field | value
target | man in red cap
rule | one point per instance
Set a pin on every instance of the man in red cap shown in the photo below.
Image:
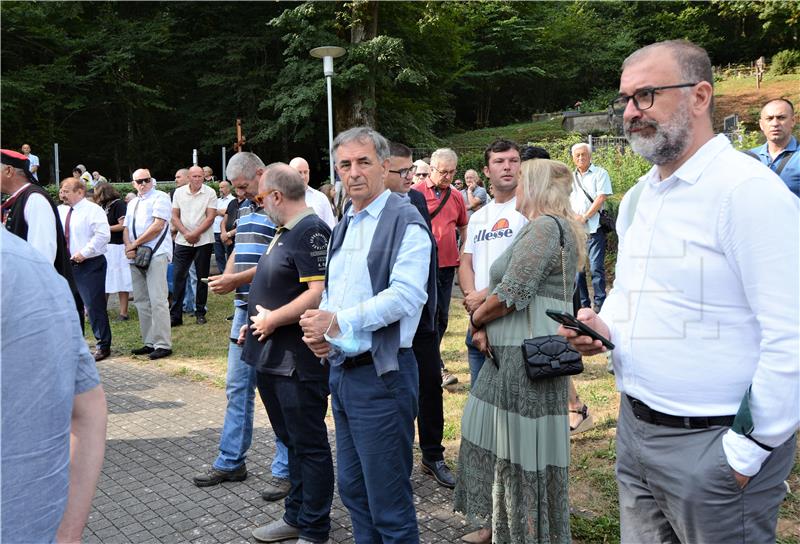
(30, 214)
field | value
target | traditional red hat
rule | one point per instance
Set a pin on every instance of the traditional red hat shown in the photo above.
(17, 160)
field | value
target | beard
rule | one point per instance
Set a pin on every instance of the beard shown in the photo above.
(668, 142)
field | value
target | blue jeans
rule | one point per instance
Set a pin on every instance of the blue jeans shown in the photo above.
(191, 287)
(220, 255)
(374, 418)
(237, 430)
(476, 360)
(596, 249)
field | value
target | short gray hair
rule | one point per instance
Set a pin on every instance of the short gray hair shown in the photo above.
(287, 180)
(693, 61)
(443, 154)
(243, 165)
(578, 146)
(363, 135)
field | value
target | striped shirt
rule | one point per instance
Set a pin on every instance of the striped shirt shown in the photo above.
(254, 232)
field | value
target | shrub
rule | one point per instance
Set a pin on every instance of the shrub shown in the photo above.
(785, 62)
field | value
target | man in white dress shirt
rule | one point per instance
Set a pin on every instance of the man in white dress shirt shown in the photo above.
(87, 234)
(314, 199)
(704, 327)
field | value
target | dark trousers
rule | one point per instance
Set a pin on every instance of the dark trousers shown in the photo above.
(374, 448)
(182, 260)
(220, 253)
(296, 411)
(430, 420)
(90, 278)
(444, 286)
(596, 251)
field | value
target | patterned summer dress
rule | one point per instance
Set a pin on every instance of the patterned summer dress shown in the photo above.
(514, 452)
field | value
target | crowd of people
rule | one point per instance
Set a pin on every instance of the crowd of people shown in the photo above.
(343, 295)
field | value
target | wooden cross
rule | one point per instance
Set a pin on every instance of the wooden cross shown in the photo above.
(240, 139)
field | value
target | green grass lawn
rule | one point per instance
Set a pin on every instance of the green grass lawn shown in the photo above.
(539, 131)
(200, 353)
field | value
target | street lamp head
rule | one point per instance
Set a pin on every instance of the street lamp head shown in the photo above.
(333, 51)
(327, 54)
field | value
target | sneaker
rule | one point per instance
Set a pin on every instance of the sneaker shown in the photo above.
(216, 477)
(448, 379)
(275, 531)
(277, 489)
(144, 350)
(160, 353)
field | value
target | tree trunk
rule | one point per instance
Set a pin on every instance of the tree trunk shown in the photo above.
(360, 109)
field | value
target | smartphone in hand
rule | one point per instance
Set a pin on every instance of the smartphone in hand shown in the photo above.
(571, 322)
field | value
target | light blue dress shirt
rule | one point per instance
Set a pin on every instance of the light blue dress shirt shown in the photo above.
(791, 172)
(349, 291)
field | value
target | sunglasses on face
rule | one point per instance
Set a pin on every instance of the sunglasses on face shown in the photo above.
(421, 175)
(142, 181)
(261, 197)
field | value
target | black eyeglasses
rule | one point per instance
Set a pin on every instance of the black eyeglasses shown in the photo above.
(404, 172)
(421, 174)
(642, 99)
(142, 181)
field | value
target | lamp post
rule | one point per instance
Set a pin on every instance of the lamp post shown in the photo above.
(327, 53)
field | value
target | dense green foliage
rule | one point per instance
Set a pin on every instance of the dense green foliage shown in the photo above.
(785, 62)
(120, 85)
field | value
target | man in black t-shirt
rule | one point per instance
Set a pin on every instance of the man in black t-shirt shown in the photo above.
(292, 382)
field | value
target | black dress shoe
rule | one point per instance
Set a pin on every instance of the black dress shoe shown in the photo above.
(158, 353)
(216, 477)
(100, 354)
(201, 320)
(440, 472)
(175, 323)
(144, 350)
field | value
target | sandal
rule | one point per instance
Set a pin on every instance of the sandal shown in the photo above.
(586, 423)
(481, 536)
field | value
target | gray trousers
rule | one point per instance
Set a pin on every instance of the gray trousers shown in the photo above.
(675, 485)
(150, 298)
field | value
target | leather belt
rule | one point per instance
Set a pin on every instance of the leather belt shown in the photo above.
(644, 413)
(365, 359)
(362, 359)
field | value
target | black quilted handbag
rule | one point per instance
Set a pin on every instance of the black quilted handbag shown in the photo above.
(551, 356)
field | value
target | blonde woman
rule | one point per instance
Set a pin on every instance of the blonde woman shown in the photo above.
(514, 451)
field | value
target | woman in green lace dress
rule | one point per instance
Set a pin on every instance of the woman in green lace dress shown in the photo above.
(514, 451)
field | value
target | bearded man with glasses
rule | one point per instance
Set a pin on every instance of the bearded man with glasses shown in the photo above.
(702, 317)
(147, 225)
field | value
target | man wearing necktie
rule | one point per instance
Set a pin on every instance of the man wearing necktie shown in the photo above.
(375, 288)
(87, 234)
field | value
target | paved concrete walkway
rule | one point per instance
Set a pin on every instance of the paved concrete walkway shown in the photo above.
(162, 430)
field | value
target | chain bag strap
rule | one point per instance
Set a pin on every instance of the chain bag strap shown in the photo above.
(551, 355)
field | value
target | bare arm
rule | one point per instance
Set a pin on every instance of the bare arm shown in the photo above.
(466, 280)
(177, 224)
(230, 280)
(595, 207)
(206, 223)
(150, 233)
(265, 322)
(490, 310)
(87, 448)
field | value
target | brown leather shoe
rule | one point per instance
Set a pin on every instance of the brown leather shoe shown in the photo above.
(100, 354)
